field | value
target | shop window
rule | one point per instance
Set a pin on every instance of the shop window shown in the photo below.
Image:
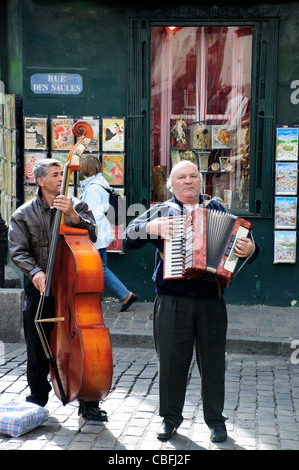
(200, 108)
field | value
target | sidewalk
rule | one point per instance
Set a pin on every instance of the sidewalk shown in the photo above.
(251, 329)
(262, 390)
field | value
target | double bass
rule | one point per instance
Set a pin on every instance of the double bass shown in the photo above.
(80, 351)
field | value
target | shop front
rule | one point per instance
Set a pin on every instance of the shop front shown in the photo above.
(214, 85)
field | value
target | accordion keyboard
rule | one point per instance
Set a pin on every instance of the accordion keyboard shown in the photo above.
(174, 250)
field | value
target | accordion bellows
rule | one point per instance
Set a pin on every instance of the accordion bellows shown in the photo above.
(17, 418)
(203, 246)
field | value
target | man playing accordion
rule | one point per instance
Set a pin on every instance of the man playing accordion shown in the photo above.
(187, 312)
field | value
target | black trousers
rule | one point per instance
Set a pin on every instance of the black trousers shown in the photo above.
(37, 361)
(180, 323)
(38, 366)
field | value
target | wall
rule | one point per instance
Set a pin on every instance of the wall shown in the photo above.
(76, 37)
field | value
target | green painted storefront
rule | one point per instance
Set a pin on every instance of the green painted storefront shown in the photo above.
(109, 47)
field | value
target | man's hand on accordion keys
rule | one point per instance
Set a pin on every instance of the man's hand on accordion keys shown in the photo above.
(164, 227)
(244, 247)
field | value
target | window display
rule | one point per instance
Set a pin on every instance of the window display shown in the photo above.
(200, 108)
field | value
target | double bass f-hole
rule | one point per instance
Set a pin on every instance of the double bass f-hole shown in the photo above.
(71, 335)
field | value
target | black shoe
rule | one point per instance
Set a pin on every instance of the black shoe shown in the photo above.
(166, 431)
(218, 433)
(95, 414)
(39, 399)
(129, 302)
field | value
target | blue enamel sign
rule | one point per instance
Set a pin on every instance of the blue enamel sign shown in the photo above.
(56, 83)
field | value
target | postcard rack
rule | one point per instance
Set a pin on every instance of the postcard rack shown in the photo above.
(285, 203)
(10, 154)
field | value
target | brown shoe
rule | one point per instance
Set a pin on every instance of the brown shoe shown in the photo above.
(129, 302)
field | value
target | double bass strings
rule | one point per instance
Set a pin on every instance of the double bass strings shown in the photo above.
(55, 235)
(49, 272)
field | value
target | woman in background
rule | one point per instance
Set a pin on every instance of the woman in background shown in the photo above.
(97, 198)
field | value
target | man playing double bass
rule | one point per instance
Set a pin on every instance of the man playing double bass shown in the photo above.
(29, 239)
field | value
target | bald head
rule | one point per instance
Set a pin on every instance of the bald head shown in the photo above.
(185, 182)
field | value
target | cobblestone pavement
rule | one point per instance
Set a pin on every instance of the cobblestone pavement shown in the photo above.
(262, 404)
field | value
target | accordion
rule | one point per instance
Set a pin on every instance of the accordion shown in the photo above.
(203, 246)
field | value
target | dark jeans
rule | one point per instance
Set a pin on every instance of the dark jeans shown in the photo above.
(180, 323)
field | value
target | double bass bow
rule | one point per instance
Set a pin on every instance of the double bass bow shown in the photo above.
(79, 352)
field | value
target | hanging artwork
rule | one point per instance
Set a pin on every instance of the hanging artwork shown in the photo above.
(286, 144)
(285, 212)
(29, 192)
(62, 137)
(116, 243)
(113, 134)
(62, 158)
(30, 161)
(179, 155)
(223, 136)
(286, 178)
(201, 136)
(284, 246)
(35, 132)
(113, 168)
(179, 132)
(94, 122)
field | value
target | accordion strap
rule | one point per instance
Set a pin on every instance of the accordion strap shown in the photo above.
(247, 259)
